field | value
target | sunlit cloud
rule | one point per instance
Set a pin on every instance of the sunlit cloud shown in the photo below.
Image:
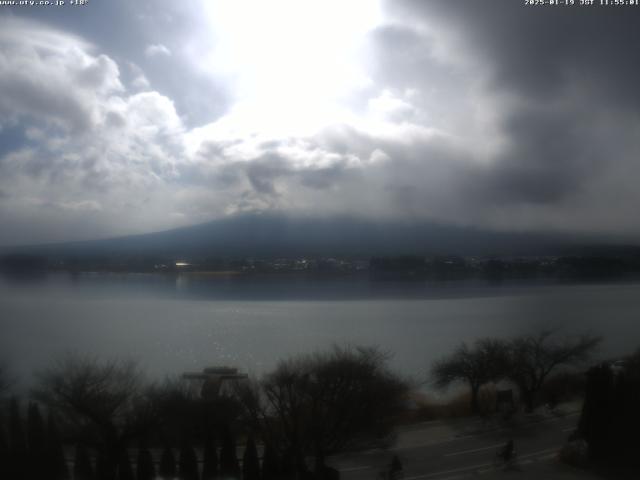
(293, 64)
(371, 108)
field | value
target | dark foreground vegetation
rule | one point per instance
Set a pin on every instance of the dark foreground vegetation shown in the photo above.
(121, 427)
(545, 370)
(526, 361)
(610, 422)
(87, 419)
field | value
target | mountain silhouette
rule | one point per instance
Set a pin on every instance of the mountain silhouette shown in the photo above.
(275, 235)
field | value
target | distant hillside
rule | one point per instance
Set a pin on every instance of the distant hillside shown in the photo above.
(281, 236)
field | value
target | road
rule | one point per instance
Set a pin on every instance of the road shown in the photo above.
(429, 454)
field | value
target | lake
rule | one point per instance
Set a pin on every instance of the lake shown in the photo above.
(173, 324)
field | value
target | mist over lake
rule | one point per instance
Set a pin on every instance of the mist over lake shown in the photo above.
(172, 324)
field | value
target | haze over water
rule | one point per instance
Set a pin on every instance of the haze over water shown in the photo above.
(172, 324)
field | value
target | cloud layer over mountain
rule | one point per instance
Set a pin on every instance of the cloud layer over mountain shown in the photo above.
(127, 117)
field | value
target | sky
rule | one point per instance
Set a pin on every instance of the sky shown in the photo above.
(120, 117)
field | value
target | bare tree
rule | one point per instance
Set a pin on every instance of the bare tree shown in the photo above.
(178, 407)
(475, 365)
(319, 404)
(102, 400)
(183, 411)
(533, 357)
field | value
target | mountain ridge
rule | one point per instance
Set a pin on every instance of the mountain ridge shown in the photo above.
(276, 235)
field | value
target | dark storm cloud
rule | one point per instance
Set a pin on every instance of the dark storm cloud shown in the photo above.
(544, 52)
(551, 153)
(566, 78)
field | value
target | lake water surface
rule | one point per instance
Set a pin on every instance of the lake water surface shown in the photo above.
(173, 324)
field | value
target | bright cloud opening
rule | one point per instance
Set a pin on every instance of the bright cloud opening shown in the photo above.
(292, 62)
